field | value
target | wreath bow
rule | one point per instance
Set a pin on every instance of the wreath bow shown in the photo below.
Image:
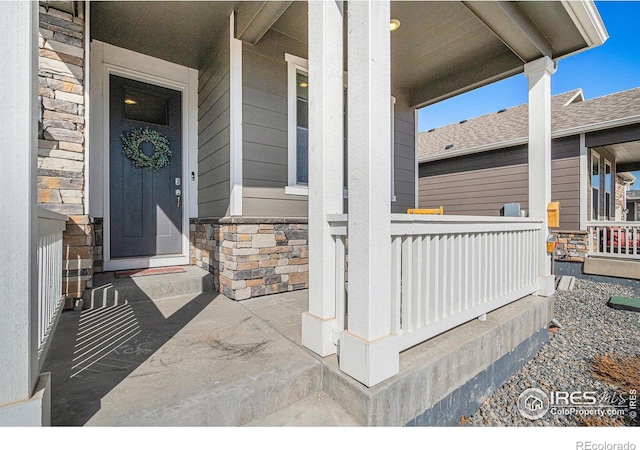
(131, 145)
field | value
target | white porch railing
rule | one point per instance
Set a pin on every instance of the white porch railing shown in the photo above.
(50, 300)
(614, 239)
(447, 270)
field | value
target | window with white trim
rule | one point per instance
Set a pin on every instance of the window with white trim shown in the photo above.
(607, 189)
(595, 186)
(298, 125)
(298, 128)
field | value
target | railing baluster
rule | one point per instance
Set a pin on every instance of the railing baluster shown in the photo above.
(428, 283)
(446, 274)
(424, 279)
(627, 237)
(484, 273)
(477, 267)
(417, 281)
(396, 284)
(467, 277)
(341, 293)
(496, 266)
(407, 285)
(437, 294)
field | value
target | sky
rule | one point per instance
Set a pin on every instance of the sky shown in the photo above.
(611, 67)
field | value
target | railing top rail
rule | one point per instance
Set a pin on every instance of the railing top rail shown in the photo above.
(410, 224)
(44, 213)
(50, 221)
(461, 219)
(445, 219)
(609, 223)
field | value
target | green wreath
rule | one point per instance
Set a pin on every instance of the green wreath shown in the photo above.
(131, 145)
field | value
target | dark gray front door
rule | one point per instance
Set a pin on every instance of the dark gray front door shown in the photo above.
(145, 210)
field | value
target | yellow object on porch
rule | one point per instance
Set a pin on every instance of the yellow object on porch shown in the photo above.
(437, 211)
(553, 214)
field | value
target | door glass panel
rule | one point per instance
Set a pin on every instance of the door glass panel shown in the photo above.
(145, 107)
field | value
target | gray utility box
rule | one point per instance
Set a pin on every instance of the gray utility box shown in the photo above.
(510, 210)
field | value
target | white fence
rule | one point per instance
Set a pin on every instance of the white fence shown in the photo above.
(50, 300)
(447, 270)
(614, 239)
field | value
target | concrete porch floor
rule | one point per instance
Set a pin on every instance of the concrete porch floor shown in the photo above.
(204, 360)
(188, 360)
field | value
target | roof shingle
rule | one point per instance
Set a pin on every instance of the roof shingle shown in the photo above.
(568, 110)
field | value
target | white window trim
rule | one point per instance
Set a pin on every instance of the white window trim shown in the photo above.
(393, 149)
(595, 155)
(297, 64)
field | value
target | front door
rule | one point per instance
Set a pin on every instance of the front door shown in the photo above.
(145, 191)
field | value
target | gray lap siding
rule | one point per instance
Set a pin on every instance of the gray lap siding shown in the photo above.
(480, 184)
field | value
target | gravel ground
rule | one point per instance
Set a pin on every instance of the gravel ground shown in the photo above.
(589, 328)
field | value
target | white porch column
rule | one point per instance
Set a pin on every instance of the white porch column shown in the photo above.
(325, 169)
(18, 222)
(367, 350)
(584, 183)
(539, 74)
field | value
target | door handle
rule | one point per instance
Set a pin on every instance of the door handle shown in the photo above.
(178, 196)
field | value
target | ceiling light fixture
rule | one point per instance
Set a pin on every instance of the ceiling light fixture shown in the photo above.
(394, 24)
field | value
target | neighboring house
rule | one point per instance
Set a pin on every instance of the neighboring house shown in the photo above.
(633, 205)
(252, 103)
(479, 165)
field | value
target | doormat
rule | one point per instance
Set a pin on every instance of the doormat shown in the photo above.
(146, 272)
(625, 303)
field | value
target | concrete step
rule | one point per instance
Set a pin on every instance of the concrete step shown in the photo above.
(317, 410)
(111, 291)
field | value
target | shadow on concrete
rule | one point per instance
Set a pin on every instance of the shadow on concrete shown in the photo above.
(95, 349)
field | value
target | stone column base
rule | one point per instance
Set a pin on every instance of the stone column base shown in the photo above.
(251, 257)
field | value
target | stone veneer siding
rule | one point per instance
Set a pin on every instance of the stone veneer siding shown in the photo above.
(572, 245)
(252, 257)
(61, 150)
(621, 196)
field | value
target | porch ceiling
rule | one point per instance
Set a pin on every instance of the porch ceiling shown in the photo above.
(627, 155)
(442, 48)
(181, 32)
